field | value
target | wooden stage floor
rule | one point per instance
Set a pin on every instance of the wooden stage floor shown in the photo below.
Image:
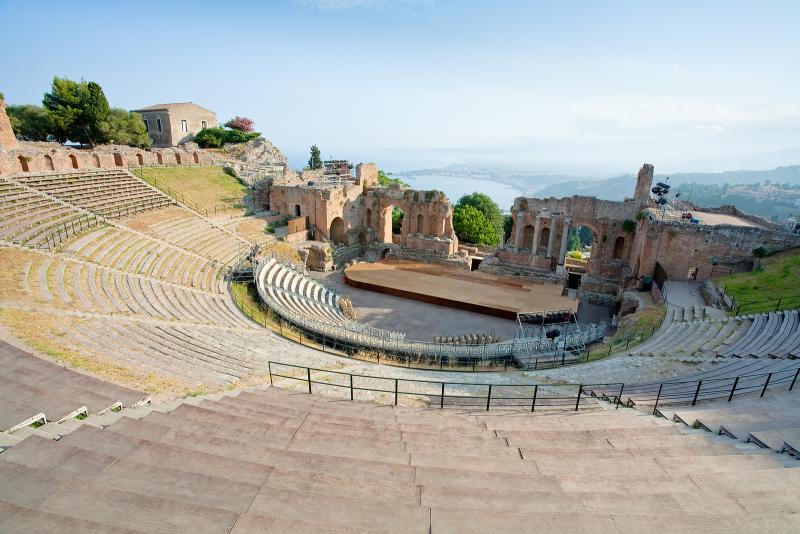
(467, 290)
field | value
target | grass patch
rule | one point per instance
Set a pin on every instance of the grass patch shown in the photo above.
(205, 189)
(634, 329)
(774, 286)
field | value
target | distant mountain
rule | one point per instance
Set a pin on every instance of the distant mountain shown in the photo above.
(619, 187)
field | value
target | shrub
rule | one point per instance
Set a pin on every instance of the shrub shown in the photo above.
(629, 226)
(216, 137)
(575, 254)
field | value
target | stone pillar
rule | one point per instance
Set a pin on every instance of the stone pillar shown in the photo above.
(552, 241)
(537, 231)
(564, 236)
(518, 230)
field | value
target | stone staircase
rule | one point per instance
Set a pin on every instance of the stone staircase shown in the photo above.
(269, 460)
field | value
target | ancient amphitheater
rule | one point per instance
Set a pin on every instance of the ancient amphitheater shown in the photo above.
(302, 417)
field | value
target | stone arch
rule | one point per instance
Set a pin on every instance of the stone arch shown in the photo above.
(527, 237)
(73, 160)
(139, 159)
(196, 158)
(619, 248)
(96, 160)
(385, 233)
(159, 158)
(23, 163)
(48, 163)
(177, 158)
(297, 210)
(337, 233)
(420, 223)
(544, 239)
(369, 218)
(117, 159)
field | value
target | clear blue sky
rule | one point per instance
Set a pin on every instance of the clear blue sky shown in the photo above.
(584, 86)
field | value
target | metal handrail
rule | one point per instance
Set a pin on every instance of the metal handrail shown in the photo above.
(438, 390)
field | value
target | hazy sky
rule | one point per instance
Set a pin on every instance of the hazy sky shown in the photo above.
(596, 86)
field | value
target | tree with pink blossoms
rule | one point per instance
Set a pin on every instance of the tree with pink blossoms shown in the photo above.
(243, 124)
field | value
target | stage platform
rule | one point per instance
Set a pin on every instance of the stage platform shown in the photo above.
(473, 291)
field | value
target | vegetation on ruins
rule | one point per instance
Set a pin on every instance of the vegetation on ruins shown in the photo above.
(243, 124)
(315, 161)
(472, 226)
(217, 137)
(384, 180)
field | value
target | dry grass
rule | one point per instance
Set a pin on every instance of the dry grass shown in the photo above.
(48, 334)
(204, 188)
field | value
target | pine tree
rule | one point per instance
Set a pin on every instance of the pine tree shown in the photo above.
(315, 161)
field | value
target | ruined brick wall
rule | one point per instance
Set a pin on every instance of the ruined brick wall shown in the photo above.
(7, 138)
(705, 251)
(367, 174)
(45, 157)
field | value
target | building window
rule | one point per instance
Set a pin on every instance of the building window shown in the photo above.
(146, 124)
(203, 124)
(184, 126)
(158, 124)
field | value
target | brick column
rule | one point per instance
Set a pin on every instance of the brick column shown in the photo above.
(518, 230)
(564, 235)
(537, 234)
(552, 241)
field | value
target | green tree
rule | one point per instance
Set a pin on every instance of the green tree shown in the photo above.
(472, 226)
(30, 123)
(397, 220)
(63, 107)
(124, 128)
(77, 111)
(508, 225)
(488, 207)
(574, 239)
(315, 161)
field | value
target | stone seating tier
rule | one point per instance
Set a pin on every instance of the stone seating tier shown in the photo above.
(275, 461)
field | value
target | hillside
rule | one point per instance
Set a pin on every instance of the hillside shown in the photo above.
(618, 187)
(775, 286)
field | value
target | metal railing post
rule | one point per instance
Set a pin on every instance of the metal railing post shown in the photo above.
(697, 392)
(769, 377)
(269, 365)
(441, 400)
(578, 400)
(619, 397)
(658, 397)
(535, 393)
(395, 391)
(794, 379)
(308, 376)
(733, 389)
(489, 398)
(351, 386)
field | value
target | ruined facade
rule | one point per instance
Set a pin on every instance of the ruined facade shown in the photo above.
(631, 241)
(348, 210)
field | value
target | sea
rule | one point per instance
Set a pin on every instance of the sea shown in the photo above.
(457, 186)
